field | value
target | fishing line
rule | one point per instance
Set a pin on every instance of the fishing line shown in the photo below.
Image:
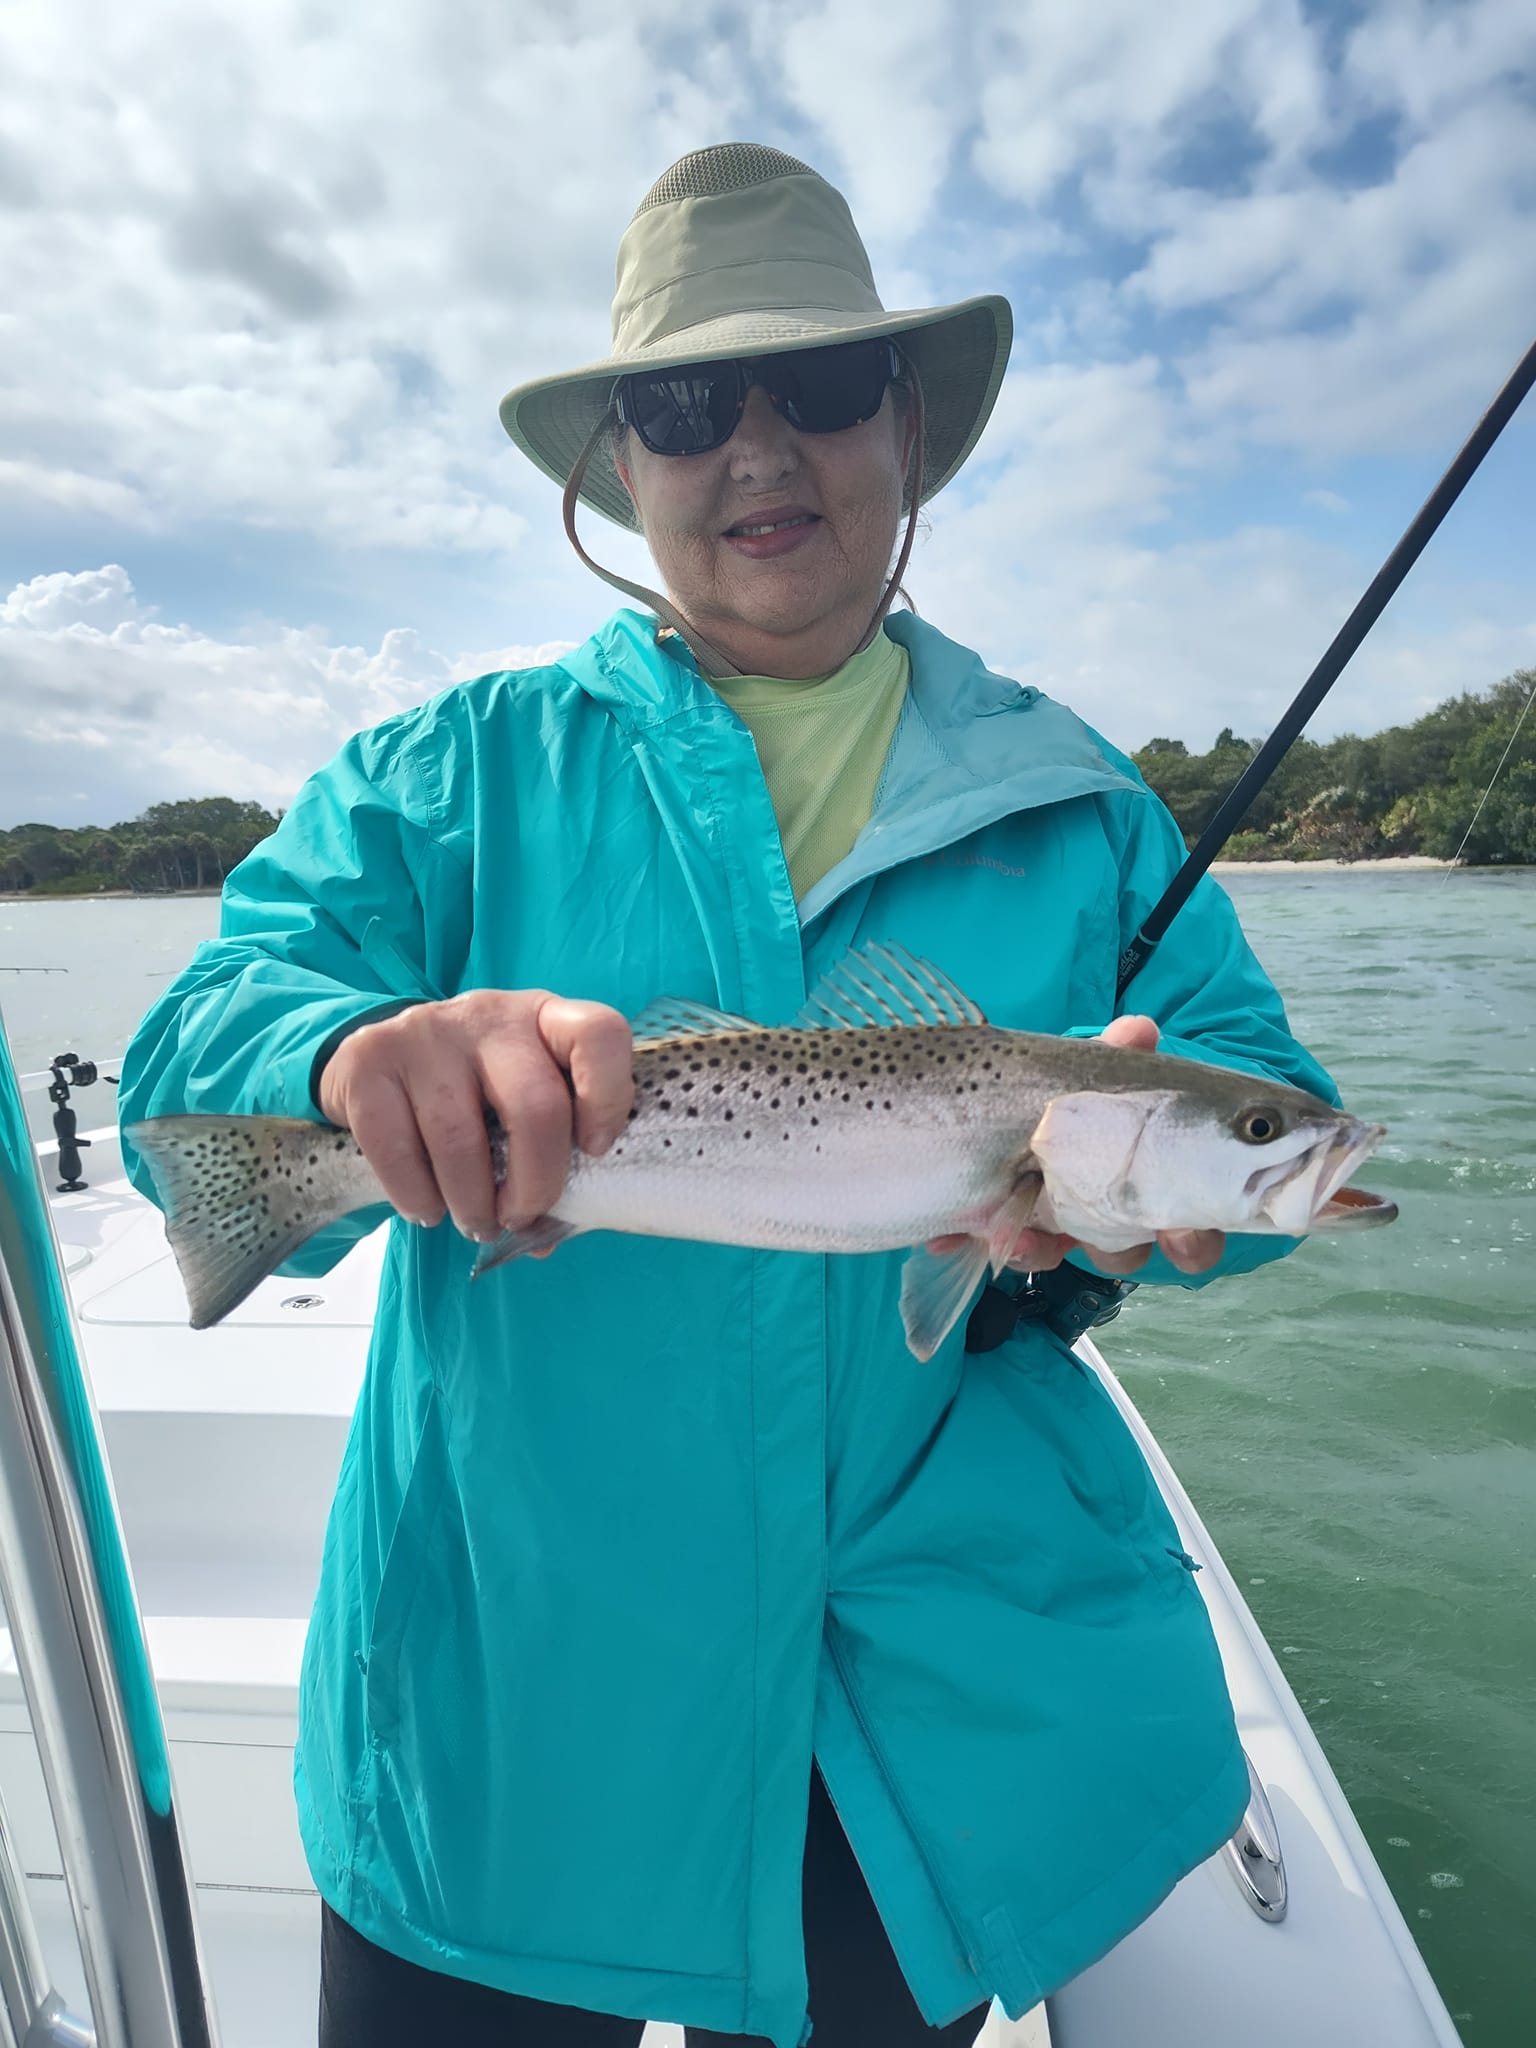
(1488, 792)
(1239, 798)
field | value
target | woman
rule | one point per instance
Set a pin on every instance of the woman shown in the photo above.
(660, 1574)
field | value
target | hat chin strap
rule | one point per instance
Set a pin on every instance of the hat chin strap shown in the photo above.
(711, 661)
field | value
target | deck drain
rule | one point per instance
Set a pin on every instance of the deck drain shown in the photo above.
(305, 1301)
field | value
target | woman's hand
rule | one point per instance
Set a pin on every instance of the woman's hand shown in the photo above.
(413, 1090)
(1037, 1251)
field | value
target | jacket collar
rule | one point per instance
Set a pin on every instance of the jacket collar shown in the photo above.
(971, 747)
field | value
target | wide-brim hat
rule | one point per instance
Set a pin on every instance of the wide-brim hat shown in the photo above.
(740, 250)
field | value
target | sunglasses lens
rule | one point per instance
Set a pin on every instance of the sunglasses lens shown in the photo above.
(686, 411)
(694, 408)
(824, 390)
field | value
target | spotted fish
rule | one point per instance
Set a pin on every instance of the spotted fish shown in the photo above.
(889, 1114)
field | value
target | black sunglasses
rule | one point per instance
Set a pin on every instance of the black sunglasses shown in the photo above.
(693, 407)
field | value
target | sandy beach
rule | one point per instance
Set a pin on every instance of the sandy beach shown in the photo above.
(1390, 864)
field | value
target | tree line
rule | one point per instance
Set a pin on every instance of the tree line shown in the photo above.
(1411, 789)
(188, 845)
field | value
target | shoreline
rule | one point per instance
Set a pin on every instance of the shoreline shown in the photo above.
(103, 895)
(1391, 863)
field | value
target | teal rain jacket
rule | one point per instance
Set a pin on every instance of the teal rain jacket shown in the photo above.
(621, 1539)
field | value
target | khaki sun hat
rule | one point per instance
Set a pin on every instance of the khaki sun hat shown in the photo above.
(741, 250)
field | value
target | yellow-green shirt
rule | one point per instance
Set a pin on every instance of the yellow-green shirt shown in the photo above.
(822, 744)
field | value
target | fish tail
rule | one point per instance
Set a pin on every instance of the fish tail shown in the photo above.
(240, 1195)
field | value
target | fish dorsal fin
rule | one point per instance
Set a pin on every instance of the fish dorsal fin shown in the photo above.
(676, 1017)
(877, 984)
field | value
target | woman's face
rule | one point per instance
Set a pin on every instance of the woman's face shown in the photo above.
(794, 601)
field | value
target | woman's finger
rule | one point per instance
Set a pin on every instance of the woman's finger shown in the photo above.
(1120, 1262)
(381, 1119)
(1193, 1251)
(1139, 1033)
(532, 1099)
(450, 1114)
(1039, 1251)
(594, 1045)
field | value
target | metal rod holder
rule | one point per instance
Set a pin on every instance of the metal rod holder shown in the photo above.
(80, 1649)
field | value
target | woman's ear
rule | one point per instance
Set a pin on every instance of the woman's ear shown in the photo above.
(618, 447)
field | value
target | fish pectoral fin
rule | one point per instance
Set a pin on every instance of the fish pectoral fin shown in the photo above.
(885, 985)
(543, 1234)
(1020, 1212)
(935, 1288)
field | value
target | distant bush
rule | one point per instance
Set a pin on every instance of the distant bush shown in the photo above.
(1413, 788)
(188, 845)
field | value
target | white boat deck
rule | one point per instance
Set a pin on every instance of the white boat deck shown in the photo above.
(224, 1449)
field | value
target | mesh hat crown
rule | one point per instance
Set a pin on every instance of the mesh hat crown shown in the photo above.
(740, 250)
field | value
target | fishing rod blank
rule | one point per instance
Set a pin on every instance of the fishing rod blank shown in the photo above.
(1322, 679)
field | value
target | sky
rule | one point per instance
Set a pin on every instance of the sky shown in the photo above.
(267, 266)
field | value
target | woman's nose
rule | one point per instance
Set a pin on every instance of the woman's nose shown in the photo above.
(763, 447)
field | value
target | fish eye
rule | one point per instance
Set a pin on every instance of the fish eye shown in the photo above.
(1259, 1125)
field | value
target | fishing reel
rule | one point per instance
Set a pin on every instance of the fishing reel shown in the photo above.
(70, 1071)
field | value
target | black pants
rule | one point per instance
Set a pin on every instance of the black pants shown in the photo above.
(859, 1998)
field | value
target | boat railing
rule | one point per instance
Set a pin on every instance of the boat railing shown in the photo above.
(80, 1649)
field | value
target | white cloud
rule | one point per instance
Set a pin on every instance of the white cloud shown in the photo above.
(109, 710)
(279, 269)
(1124, 87)
(1189, 637)
(268, 270)
(887, 86)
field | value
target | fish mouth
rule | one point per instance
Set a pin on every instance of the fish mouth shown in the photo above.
(1313, 1193)
(1354, 1209)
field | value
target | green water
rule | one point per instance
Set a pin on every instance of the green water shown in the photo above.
(1357, 1425)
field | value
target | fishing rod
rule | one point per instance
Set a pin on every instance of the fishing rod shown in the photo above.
(1240, 797)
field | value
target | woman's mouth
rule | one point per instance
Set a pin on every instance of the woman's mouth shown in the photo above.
(758, 538)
